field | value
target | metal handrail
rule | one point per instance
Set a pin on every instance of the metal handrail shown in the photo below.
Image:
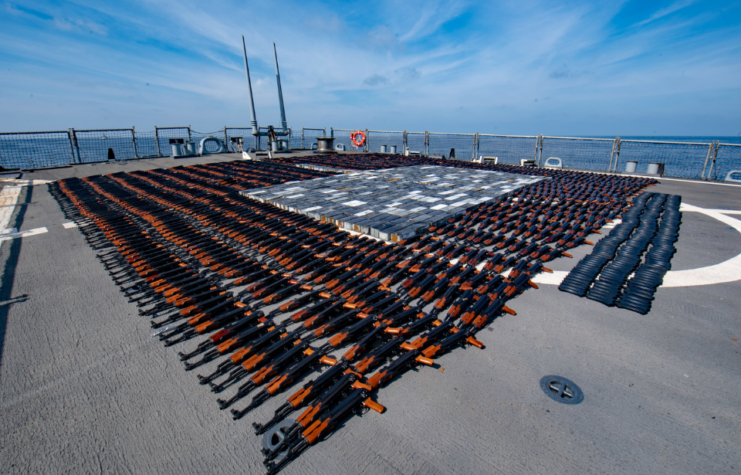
(663, 142)
(450, 133)
(39, 132)
(510, 136)
(105, 130)
(56, 152)
(577, 138)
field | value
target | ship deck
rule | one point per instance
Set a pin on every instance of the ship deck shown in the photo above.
(84, 389)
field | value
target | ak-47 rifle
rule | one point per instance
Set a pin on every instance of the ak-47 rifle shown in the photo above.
(309, 392)
(282, 380)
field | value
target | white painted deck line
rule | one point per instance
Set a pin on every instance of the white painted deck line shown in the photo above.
(69, 225)
(8, 200)
(25, 182)
(720, 211)
(550, 279)
(30, 232)
(728, 271)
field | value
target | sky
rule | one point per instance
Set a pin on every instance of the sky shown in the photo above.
(573, 68)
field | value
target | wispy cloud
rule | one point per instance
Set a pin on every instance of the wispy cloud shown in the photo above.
(80, 25)
(661, 13)
(430, 16)
(594, 68)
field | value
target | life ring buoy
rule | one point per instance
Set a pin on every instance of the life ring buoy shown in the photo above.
(355, 140)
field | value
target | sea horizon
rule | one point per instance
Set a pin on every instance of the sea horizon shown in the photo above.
(732, 139)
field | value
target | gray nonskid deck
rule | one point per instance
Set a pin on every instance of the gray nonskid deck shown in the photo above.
(84, 389)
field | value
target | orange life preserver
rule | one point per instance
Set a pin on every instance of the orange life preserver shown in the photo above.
(354, 137)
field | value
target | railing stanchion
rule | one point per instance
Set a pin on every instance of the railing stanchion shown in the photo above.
(612, 154)
(705, 164)
(71, 146)
(157, 141)
(76, 144)
(133, 141)
(475, 150)
(617, 154)
(714, 152)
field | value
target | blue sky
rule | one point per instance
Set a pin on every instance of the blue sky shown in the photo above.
(506, 67)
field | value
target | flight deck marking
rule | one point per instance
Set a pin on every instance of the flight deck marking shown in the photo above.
(8, 200)
(17, 182)
(727, 271)
(29, 232)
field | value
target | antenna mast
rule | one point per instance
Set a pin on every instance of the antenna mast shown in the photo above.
(280, 92)
(255, 129)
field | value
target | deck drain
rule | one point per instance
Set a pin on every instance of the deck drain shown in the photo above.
(275, 436)
(561, 389)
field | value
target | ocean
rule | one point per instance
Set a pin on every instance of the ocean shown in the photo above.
(666, 138)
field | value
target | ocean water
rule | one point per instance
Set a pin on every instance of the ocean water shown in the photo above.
(736, 139)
